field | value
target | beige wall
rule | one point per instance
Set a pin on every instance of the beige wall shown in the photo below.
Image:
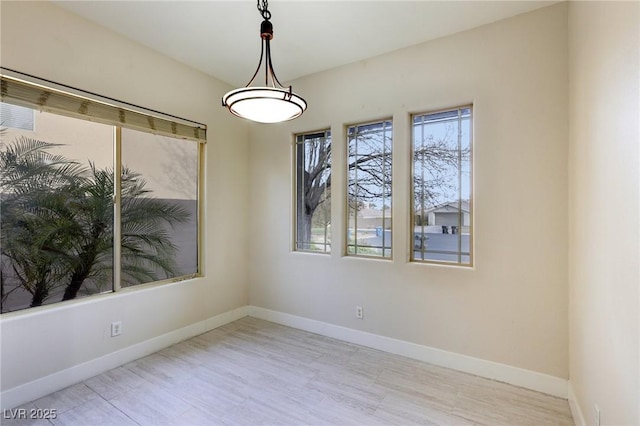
(512, 306)
(604, 275)
(43, 40)
(78, 140)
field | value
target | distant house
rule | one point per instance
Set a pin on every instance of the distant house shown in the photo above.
(371, 218)
(447, 214)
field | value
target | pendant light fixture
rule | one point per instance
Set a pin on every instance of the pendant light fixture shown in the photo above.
(271, 103)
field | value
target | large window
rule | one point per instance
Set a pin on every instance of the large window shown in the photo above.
(442, 183)
(70, 226)
(313, 192)
(369, 189)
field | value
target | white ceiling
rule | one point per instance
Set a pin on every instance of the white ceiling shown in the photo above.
(221, 38)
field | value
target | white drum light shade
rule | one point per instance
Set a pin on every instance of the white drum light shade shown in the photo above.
(264, 104)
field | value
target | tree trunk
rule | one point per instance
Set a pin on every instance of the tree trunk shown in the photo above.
(81, 272)
(40, 294)
(41, 289)
(303, 237)
(75, 284)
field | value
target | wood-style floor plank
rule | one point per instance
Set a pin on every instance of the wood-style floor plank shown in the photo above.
(253, 372)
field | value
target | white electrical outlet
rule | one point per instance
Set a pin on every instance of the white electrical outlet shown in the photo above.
(116, 328)
(597, 414)
(359, 312)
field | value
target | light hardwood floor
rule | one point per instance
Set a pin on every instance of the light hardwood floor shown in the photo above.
(253, 372)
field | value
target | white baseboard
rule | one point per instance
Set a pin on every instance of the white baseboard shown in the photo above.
(492, 370)
(19, 395)
(576, 411)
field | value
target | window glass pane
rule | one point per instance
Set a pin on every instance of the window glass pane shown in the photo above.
(56, 188)
(159, 224)
(16, 117)
(369, 189)
(442, 186)
(313, 192)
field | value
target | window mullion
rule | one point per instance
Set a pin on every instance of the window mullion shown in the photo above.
(200, 210)
(460, 212)
(422, 196)
(117, 208)
(355, 213)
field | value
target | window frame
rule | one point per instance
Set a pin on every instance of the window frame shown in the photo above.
(117, 224)
(346, 244)
(294, 241)
(412, 210)
(169, 126)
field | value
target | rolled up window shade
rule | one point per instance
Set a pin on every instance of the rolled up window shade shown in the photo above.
(43, 98)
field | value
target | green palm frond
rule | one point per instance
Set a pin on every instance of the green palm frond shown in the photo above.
(27, 165)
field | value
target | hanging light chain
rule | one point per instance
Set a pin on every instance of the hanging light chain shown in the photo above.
(263, 9)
